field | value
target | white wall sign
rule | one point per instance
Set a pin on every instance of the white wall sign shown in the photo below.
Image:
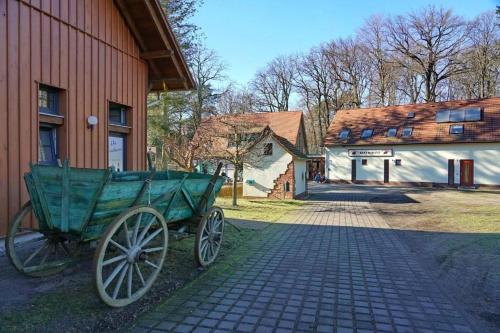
(370, 152)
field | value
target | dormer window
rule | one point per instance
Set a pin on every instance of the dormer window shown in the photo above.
(344, 134)
(410, 115)
(407, 132)
(457, 129)
(366, 133)
(392, 132)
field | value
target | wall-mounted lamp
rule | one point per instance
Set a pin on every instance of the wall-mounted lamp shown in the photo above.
(91, 122)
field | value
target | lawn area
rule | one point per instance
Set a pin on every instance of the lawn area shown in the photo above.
(456, 236)
(260, 209)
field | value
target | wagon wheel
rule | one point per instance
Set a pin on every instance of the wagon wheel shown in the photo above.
(209, 236)
(38, 254)
(130, 256)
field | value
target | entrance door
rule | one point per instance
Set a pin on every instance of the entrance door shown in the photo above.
(386, 171)
(466, 172)
(353, 170)
(451, 172)
(116, 151)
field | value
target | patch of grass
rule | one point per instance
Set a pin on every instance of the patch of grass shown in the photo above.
(264, 210)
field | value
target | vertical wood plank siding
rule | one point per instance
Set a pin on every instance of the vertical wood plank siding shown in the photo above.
(83, 47)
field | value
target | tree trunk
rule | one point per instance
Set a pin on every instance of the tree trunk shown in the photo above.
(235, 187)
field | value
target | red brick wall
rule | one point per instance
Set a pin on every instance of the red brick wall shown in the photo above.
(279, 184)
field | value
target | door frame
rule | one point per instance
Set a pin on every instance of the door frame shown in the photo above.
(462, 172)
(386, 171)
(353, 170)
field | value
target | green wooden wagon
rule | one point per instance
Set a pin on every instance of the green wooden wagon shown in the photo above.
(130, 214)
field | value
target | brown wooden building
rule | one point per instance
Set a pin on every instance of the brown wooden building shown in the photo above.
(67, 64)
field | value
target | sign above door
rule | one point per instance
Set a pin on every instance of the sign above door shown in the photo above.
(370, 152)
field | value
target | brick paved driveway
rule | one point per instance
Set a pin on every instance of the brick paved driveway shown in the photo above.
(337, 267)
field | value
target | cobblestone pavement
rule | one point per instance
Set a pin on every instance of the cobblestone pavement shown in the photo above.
(337, 267)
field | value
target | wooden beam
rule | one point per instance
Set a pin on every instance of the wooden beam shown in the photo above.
(135, 31)
(157, 54)
(158, 23)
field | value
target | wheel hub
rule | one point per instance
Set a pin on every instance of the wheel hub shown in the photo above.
(134, 254)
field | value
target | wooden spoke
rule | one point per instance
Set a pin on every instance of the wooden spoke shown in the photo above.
(34, 254)
(125, 227)
(115, 259)
(118, 246)
(129, 280)
(119, 278)
(145, 230)
(136, 228)
(120, 281)
(138, 271)
(117, 270)
(150, 237)
(149, 263)
(153, 249)
(209, 236)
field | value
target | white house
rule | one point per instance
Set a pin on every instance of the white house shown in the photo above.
(276, 164)
(453, 143)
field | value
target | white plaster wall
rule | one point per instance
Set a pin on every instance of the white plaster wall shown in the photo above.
(264, 169)
(300, 167)
(420, 163)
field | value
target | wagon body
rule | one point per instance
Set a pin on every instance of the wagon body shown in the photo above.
(131, 215)
(83, 202)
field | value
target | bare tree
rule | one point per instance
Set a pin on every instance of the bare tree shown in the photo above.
(482, 59)
(350, 67)
(273, 85)
(432, 40)
(236, 100)
(382, 90)
(207, 70)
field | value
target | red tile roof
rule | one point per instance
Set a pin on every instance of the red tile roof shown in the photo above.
(425, 127)
(284, 125)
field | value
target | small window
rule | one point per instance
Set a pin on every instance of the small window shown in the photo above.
(443, 116)
(366, 133)
(473, 114)
(117, 114)
(397, 162)
(344, 134)
(48, 100)
(47, 146)
(364, 162)
(407, 132)
(268, 149)
(457, 129)
(457, 115)
(410, 115)
(392, 132)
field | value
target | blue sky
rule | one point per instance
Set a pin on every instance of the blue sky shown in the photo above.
(247, 34)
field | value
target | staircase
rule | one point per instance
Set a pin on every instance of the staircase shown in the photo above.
(278, 191)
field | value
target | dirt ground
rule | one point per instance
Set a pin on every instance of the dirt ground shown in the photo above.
(456, 236)
(68, 302)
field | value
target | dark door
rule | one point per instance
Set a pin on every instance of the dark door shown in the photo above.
(466, 172)
(353, 170)
(386, 171)
(451, 172)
